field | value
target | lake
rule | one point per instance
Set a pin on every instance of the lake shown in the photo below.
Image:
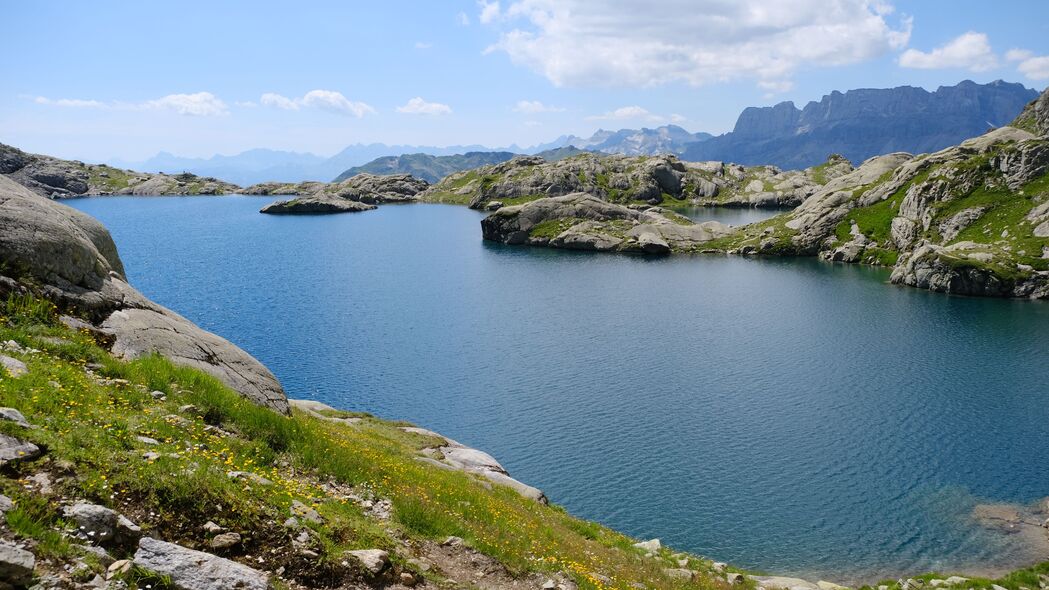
(789, 416)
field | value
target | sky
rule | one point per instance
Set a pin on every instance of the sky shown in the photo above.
(124, 80)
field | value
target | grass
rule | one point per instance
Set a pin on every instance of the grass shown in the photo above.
(552, 228)
(874, 221)
(107, 178)
(89, 424)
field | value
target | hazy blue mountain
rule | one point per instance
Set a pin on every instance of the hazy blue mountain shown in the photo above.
(433, 168)
(668, 139)
(425, 166)
(862, 123)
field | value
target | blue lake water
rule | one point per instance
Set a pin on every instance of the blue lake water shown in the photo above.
(789, 416)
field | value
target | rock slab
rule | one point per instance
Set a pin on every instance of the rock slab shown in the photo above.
(196, 570)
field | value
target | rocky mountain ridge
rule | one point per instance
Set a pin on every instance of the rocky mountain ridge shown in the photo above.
(863, 123)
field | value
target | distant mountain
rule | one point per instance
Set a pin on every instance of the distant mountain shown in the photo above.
(668, 139)
(863, 123)
(263, 165)
(427, 167)
(433, 168)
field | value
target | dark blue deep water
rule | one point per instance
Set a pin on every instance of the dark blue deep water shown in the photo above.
(784, 415)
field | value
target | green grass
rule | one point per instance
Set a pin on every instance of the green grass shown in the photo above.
(107, 178)
(552, 228)
(90, 425)
(874, 221)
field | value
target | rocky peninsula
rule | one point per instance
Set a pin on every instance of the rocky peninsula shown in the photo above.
(972, 219)
(57, 178)
(651, 180)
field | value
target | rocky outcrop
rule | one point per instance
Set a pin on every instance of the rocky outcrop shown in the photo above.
(621, 179)
(72, 260)
(583, 222)
(315, 204)
(359, 193)
(57, 178)
(16, 565)
(195, 570)
(971, 219)
(864, 123)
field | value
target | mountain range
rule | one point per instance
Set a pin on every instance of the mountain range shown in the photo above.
(857, 124)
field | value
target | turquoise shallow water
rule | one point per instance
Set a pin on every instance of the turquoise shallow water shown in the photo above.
(785, 415)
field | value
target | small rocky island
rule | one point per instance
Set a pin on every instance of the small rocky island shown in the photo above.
(581, 221)
(357, 193)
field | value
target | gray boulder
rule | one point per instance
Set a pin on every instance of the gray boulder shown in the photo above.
(74, 260)
(16, 565)
(13, 449)
(13, 415)
(101, 525)
(195, 570)
(140, 332)
(13, 366)
(374, 561)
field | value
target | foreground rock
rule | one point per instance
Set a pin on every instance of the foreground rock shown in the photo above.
(584, 222)
(650, 180)
(99, 524)
(72, 260)
(57, 178)
(358, 193)
(195, 570)
(16, 565)
(14, 449)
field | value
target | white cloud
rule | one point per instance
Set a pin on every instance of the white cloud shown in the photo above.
(200, 104)
(70, 102)
(628, 43)
(676, 118)
(418, 106)
(1018, 54)
(627, 113)
(281, 102)
(1033, 66)
(534, 106)
(970, 51)
(489, 11)
(423, 45)
(328, 100)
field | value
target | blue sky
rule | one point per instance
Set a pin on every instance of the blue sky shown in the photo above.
(106, 79)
